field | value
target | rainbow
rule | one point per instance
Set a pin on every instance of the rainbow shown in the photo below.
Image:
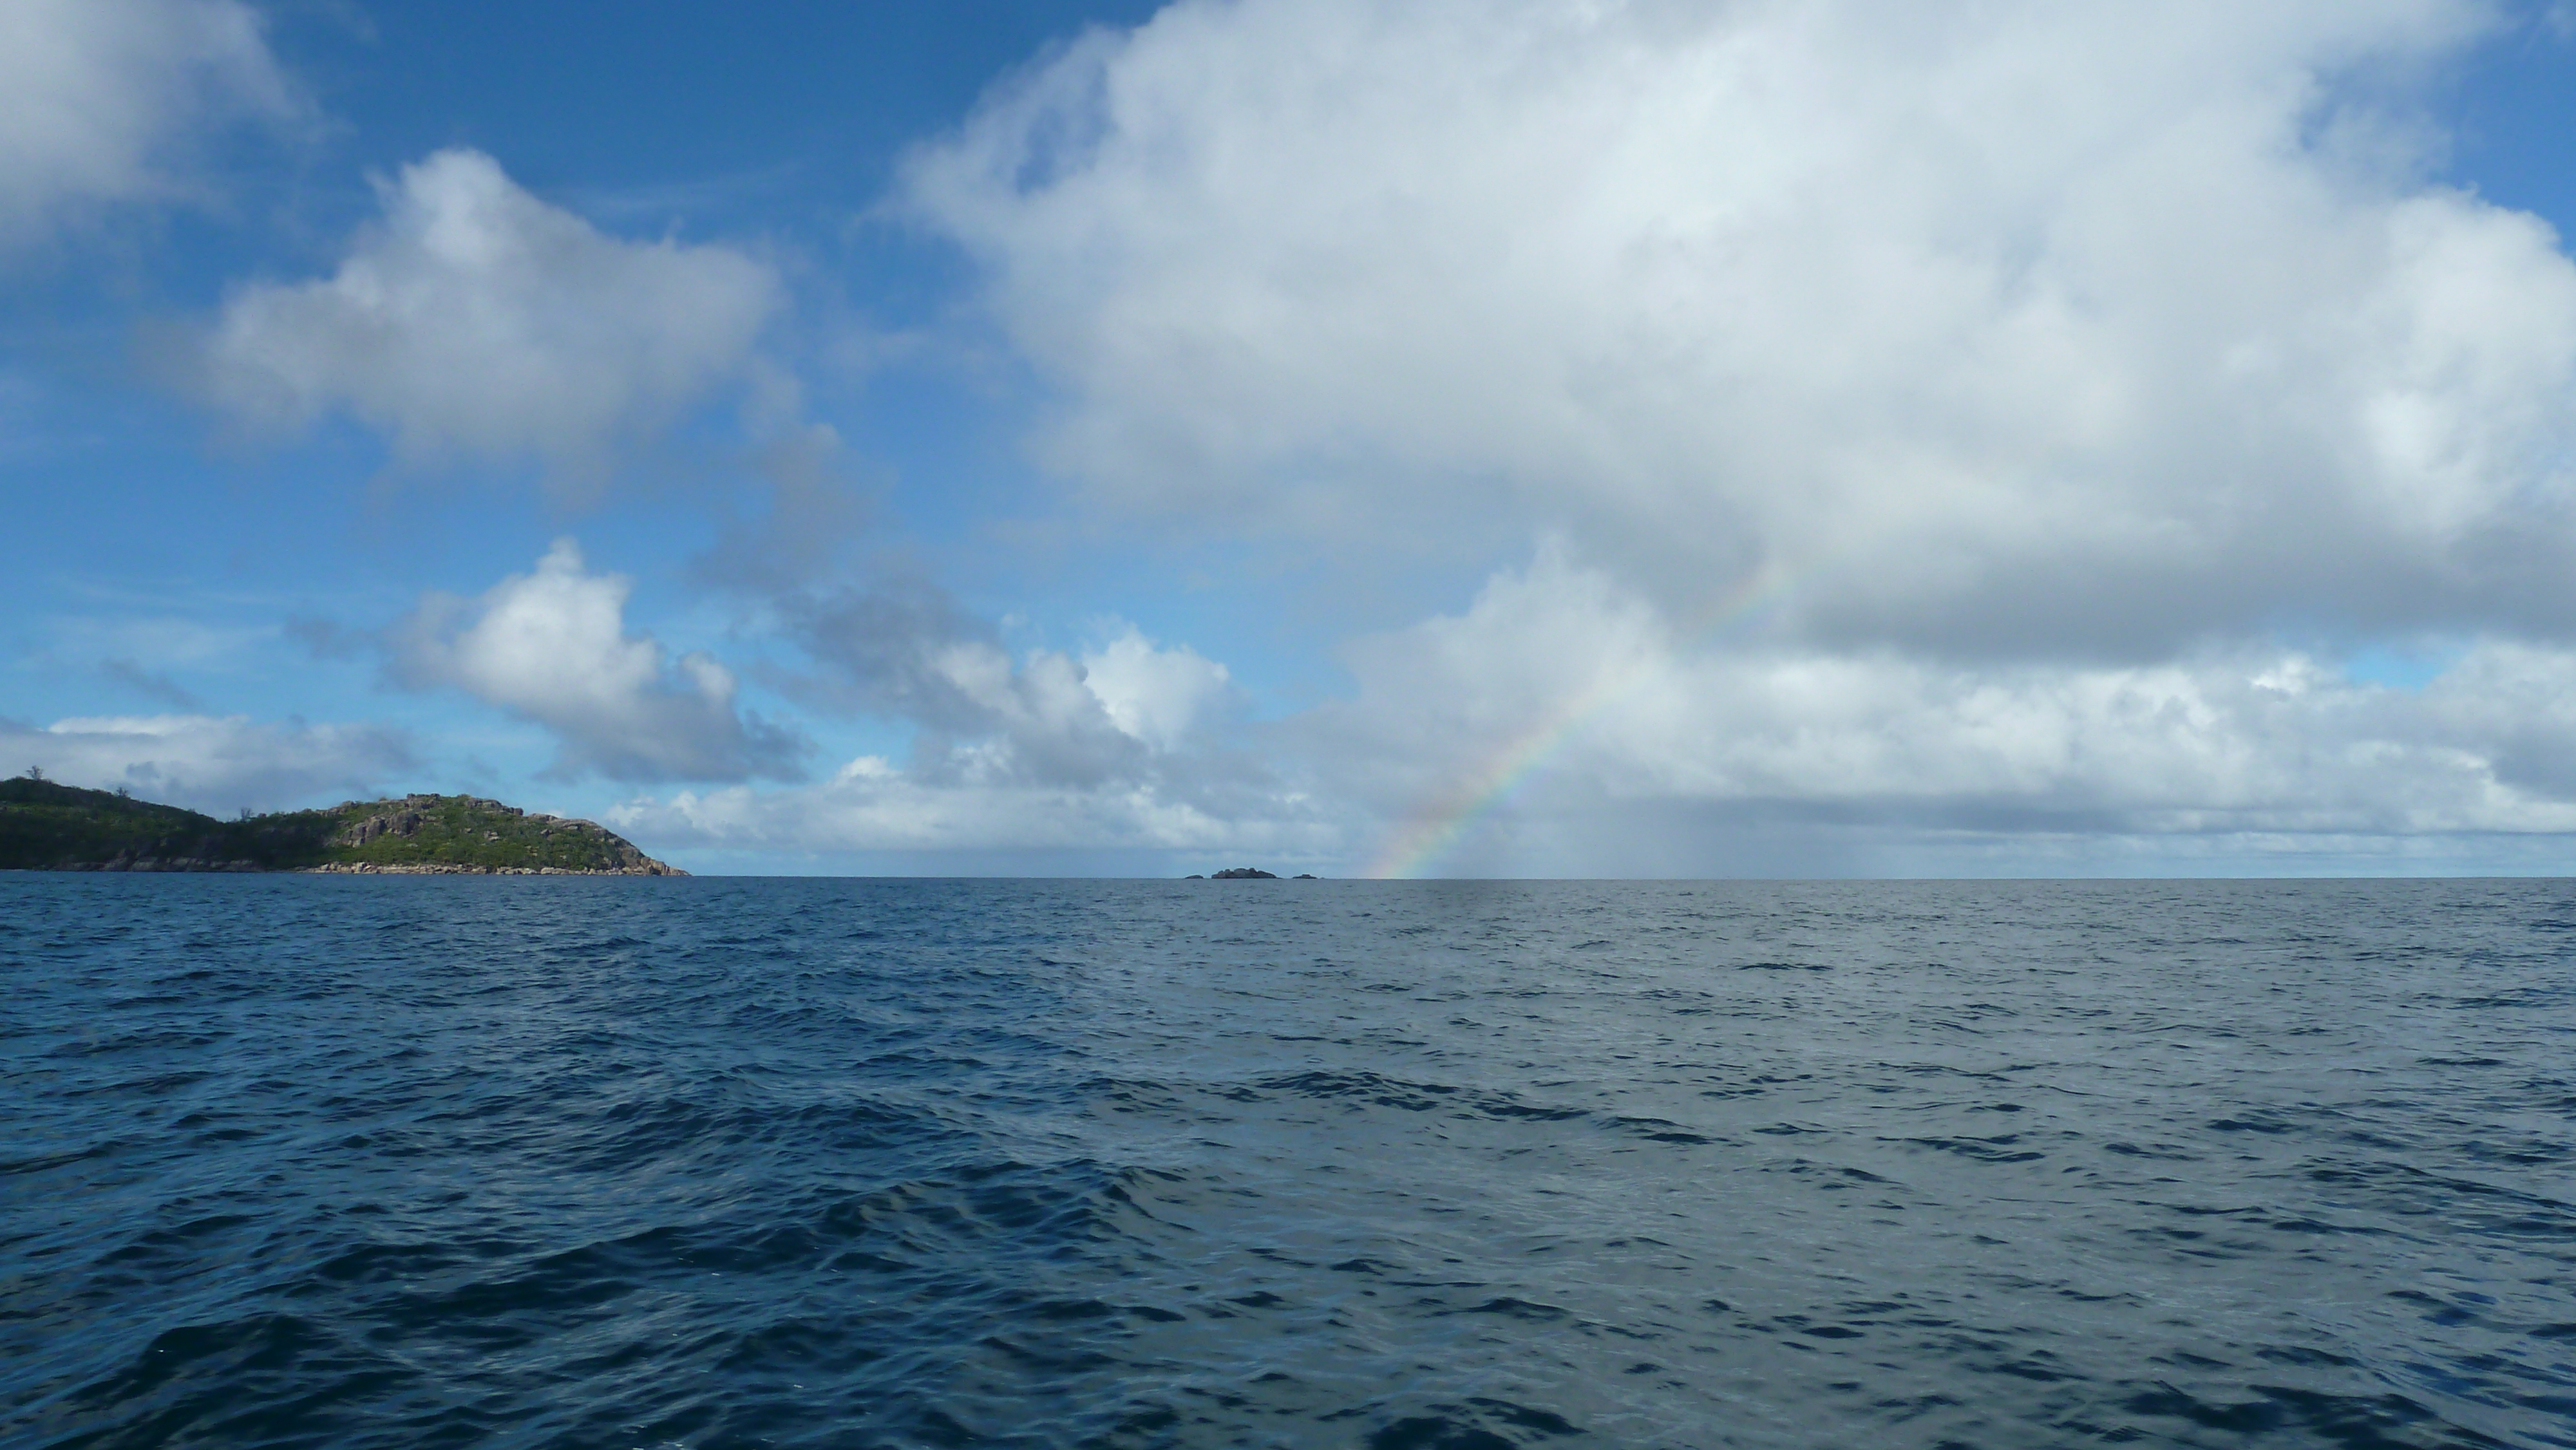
(1439, 825)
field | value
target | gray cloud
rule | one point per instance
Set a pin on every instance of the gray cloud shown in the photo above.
(1562, 697)
(106, 96)
(213, 764)
(328, 639)
(879, 646)
(814, 510)
(1121, 747)
(157, 687)
(1126, 711)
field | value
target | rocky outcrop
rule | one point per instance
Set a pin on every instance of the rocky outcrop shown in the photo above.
(377, 827)
(1243, 873)
(472, 836)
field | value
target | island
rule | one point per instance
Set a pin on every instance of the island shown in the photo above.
(48, 826)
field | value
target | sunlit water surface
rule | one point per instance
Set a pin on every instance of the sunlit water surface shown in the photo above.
(572, 1162)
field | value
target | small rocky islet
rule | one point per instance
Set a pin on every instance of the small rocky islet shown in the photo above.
(1246, 873)
(48, 826)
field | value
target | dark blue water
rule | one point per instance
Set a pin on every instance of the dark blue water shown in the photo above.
(1409, 1166)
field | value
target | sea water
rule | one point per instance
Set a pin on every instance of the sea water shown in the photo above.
(1408, 1165)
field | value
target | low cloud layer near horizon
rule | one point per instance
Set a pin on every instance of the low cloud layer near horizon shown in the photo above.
(1890, 438)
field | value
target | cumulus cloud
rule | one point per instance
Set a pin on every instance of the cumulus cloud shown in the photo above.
(1155, 695)
(1940, 414)
(216, 764)
(475, 318)
(1123, 746)
(2048, 331)
(1123, 712)
(1562, 696)
(103, 92)
(552, 646)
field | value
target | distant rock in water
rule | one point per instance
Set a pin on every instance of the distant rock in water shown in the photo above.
(1243, 873)
(45, 826)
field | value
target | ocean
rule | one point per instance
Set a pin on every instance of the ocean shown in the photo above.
(442, 1161)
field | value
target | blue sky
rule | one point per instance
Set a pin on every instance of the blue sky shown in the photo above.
(1550, 439)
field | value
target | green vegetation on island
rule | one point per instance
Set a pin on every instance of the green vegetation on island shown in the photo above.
(48, 826)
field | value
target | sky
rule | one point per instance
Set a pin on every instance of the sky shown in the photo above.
(1527, 438)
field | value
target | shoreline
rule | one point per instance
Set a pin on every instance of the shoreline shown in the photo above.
(372, 868)
(341, 868)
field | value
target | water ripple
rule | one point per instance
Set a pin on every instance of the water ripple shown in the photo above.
(1408, 1166)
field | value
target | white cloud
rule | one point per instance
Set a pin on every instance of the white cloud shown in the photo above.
(552, 646)
(1116, 712)
(477, 319)
(2042, 328)
(1939, 410)
(872, 805)
(1562, 725)
(210, 763)
(1559, 696)
(1125, 712)
(101, 93)
(1127, 746)
(1158, 696)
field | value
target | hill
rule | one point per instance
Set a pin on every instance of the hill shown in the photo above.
(48, 826)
